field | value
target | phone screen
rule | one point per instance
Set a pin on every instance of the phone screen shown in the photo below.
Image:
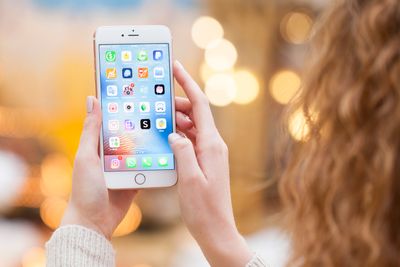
(136, 103)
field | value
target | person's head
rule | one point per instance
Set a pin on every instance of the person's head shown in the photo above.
(341, 188)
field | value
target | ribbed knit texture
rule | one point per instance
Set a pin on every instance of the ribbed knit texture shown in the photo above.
(256, 262)
(77, 246)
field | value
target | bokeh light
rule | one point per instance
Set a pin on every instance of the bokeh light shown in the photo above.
(130, 222)
(56, 176)
(284, 85)
(296, 27)
(205, 30)
(221, 89)
(247, 87)
(52, 211)
(221, 55)
(298, 127)
(35, 257)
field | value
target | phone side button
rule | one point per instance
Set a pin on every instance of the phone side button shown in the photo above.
(140, 179)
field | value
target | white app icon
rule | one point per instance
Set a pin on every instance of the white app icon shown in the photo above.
(114, 142)
(158, 72)
(161, 124)
(160, 106)
(114, 164)
(113, 125)
(128, 107)
(126, 56)
(144, 107)
(112, 90)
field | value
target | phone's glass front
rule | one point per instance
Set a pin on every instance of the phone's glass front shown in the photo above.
(135, 82)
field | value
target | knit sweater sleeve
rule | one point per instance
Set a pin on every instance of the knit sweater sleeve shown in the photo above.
(256, 261)
(77, 246)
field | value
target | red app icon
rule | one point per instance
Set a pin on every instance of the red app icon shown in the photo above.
(112, 107)
(143, 72)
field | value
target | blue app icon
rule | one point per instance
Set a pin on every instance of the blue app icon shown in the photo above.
(127, 73)
(157, 55)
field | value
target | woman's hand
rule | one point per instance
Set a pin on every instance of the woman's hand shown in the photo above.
(91, 204)
(203, 184)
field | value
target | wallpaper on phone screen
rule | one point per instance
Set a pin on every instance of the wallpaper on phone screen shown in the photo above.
(136, 105)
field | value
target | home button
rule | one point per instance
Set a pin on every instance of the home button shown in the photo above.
(140, 179)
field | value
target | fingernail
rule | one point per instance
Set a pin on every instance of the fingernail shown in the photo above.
(178, 64)
(173, 137)
(89, 104)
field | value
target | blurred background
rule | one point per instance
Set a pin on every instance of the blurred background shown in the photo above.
(247, 55)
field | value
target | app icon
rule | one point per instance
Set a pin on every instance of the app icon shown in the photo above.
(157, 55)
(128, 107)
(147, 162)
(112, 90)
(113, 125)
(113, 107)
(142, 55)
(110, 56)
(129, 125)
(159, 106)
(126, 56)
(144, 89)
(111, 73)
(145, 124)
(127, 73)
(159, 89)
(144, 107)
(114, 142)
(143, 72)
(131, 162)
(158, 72)
(163, 161)
(114, 164)
(161, 124)
(127, 90)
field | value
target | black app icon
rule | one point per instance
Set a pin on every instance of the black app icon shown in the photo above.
(159, 89)
(145, 124)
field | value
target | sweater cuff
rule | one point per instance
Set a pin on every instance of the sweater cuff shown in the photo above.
(75, 245)
(256, 261)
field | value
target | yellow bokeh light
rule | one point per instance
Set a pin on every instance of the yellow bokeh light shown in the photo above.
(35, 257)
(205, 30)
(52, 210)
(221, 55)
(247, 87)
(296, 27)
(56, 176)
(130, 222)
(298, 128)
(284, 85)
(221, 89)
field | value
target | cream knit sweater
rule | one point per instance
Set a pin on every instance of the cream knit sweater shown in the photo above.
(77, 246)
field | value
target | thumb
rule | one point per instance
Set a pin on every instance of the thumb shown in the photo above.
(187, 165)
(91, 129)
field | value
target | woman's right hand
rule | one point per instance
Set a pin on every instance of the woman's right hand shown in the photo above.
(203, 178)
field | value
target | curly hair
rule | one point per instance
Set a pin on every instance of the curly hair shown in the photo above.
(341, 185)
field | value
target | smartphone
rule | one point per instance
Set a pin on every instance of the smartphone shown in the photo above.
(134, 84)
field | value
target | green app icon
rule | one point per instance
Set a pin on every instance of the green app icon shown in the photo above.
(131, 162)
(111, 56)
(163, 161)
(147, 162)
(142, 55)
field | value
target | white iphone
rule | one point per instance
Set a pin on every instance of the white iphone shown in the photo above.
(135, 88)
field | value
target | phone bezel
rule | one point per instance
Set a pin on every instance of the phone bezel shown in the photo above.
(134, 34)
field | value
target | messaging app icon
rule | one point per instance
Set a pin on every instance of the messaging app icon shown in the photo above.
(163, 161)
(131, 162)
(142, 55)
(110, 56)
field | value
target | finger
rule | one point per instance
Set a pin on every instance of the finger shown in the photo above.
(122, 199)
(187, 166)
(202, 115)
(189, 133)
(183, 121)
(91, 130)
(183, 104)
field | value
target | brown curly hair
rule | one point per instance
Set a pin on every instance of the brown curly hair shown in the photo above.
(341, 186)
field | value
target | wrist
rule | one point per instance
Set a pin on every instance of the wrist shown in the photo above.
(72, 217)
(229, 250)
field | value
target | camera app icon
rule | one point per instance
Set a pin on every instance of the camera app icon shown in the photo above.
(128, 107)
